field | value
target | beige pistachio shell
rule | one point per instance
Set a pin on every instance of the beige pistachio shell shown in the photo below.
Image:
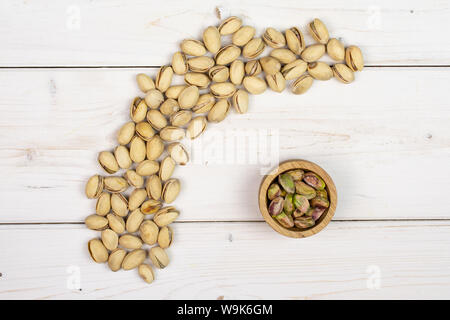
(318, 31)
(156, 119)
(173, 93)
(165, 216)
(116, 258)
(219, 111)
(179, 63)
(137, 149)
(122, 156)
(253, 48)
(302, 84)
(201, 64)
(283, 55)
(223, 90)
(165, 237)
(343, 73)
(243, 36)
(110, 239)
(230, 25)
(178, 153)
(171, 133)
(240, 101)
(270, 65)
(147, 168)
(253, 68)
(227, 54)
(144, 82)
(170, 106)
(138, 109)
(116, 223)
(204, 103)
(133, 259)
(166, 168)
(211, 39)
(134, 220)
(254, 85)
(153, 99)
(313, 53)
(154, 187)
(126, 133)
(149, 232)
(94, 187)
(196, 127)
(154, 147)
(96, 222)
(97, 251)
(320, 71)
(119, 204)
(129, 241)
(144, 130)
(295, 40)
(146, 273)
(193, 47)
(354, 58)
(115, 184)
(170, 190)
(237, 72)
(294, 69)
(274, 38)
(108, 162)
(197, 79)
(103, 205)
(188, 97)
(150, 206)
(164, 78)
(335, 49)
(181, 118)
(159, 257)
(276, 82)
(136, 198)
(219, 73)
(133, 179)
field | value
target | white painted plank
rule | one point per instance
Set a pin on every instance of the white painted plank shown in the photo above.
(239, 261)
(146, 33)
(388, 153)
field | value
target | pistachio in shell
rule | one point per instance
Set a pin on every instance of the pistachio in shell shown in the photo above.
(119, 204)
(166, 216)
(274, 38)
(219, 111)
(134, 220)
(154, 187)
(122, 155)
(129, 241)
(136, 198)
(237, 72)
(137, 149)
(270, 65)
(197, 79)
(253, 68)
(320, 71)
(302, 84)
(126, 133)
(193, 47)
(110, 239)
(146, 273)
(94, 187)
(147, 168)
(108, 162)
(276, 82)
(171, 133)
(133, 259)
(116, 223)
(156, 119)
(116, 258)
(153, 99)
(204, 104)
(196, 127)
(335, 49)
(133, 178)
(179, 63)
(343, 73)
(230, 25)
(97, 251)
(170, 190)
(188, 97)
(294, 69)
(138, 109)
(159, 257)
(243, 36)
(227, 55)
(170, 105)
(178, 153)
(283, 55)
(254, 85)
(253, 48)
(150, 206)
(313, 52)
(240, 101)
(154, 147)
(103, 205)
(200, 64)
(295, 40)
(144, 82)
(144, 129)
(166, 168)
(165, 237)
(115, 184)
(354, 58)
(318, 31)
(149, 232)
(96, 222)
(211, 39)
(223, 90)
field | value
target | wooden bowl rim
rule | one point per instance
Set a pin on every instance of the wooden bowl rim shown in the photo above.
(291, 165)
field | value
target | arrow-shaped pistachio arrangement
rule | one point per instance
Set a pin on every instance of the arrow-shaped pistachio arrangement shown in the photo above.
(148, 149)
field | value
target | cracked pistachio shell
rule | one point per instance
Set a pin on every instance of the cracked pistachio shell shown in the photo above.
(166, 168)
(153, 99)
(144, 130)
(171, 133)
(115, 184)
(294, 69)
(274, 191)
(354, 58)
(295, 40)
(276, 82)
(122, 156)
(96, 222)
(211, 39)
(181, 118)
(285, 220)
(133, 259)
(314, 180)
(313, 52)
(253, 48)
(138, 109)
(283, 55)
(154, 148)
(304, 190)
(253, 68)
(274, 38)
(154, 187)
(147, 168)
(134, 220)
(335, 49)
(149, 232)
(146, 273)
(302, 84)
(94, 187)
(196, 127)
(223, 90)
(193, 47)
(115, 259)
(219, 111)
(288, 205)
(320, 202)
(227, 54)
(304, 222)
(270, 65)
(126, 133)
(240, 101)
(254, 85)
(237, 72)
(204, 104)
(178, 153)
(137, 149)
(170, 190)
(343, 73)
(116, 223)
(179, 63)
(173, 93)
(286, 182)
(156, 119)
(276, 206)
(230, 25)
(144, 82)
(97, 251)
(103, 205)
(318, 31)
(136, 198)
(129, 241)
(108, 162)
(150, 206)
(165, 237)
(165, 216)
(243, 36)
(188, 97)
(110, 239)
(200, 64)
(320, 71)
(133, 179)
(219, 73)
(119, 204)
(197, 79)
(301, 203)
(159, 257)
(170, 106)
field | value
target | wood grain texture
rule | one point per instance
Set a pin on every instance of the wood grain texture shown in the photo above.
(384, 140)
(147, 33)
(237, 261)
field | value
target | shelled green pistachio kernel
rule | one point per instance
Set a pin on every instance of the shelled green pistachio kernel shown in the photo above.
(287, 182)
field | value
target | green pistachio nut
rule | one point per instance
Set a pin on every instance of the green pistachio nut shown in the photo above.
(276, 206)
(274, 191)
(301, 203)
(320, 202)
(309, 212)
(287, 182)
(288, 205)
(297, 213)
(317, 213)
(296, 174)
(322, 193)
(305, 190)
(285, 220)
(314, 180)
(304, 222)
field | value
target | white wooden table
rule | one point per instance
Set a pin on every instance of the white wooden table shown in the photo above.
(67, 73)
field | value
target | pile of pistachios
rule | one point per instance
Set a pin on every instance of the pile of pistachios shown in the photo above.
(298, 199)
(148, 147)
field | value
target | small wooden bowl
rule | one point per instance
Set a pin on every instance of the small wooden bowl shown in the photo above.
(307, 166)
